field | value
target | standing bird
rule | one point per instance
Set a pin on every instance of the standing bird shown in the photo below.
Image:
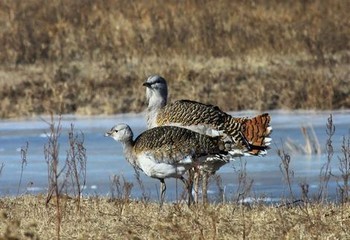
(250, 135)
(168, 151)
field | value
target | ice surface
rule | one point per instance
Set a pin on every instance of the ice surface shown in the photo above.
(105, 157)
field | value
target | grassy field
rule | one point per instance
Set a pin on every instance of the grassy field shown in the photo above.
(98, 218)
(89, 57)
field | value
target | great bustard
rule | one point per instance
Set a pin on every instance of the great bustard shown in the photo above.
(247, 133)
(168, 151)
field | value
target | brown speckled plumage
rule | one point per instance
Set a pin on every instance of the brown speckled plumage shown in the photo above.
(169, 142)
(242, 130)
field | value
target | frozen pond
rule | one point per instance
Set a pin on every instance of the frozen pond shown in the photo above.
(105, 157)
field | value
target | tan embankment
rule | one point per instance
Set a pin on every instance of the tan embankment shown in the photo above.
(92, 57)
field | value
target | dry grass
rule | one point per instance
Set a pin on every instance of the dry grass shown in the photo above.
(100, 219)
(91, 57)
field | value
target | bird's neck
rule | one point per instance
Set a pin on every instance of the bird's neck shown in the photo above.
(157, 100)
(128, 152)
(155, 104)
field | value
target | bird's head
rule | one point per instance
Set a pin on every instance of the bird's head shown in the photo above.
(120, 132)
(156, 89)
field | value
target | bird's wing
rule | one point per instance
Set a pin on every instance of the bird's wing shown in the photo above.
(173, 144)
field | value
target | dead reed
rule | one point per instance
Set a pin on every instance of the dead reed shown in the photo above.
(311, 145)
(344, 168)
(65, 179)
(54, 171)
(326, 170)
(76, 163)
(1, 167)
(24, 152)
(286, 170)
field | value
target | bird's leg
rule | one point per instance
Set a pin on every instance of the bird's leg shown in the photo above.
(205, 177)
(196, 185)
(188, 185)
(162, 191)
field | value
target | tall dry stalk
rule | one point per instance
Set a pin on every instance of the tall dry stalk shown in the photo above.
(220, 187)
(244, 182)
(326, 170)
(1, 167)
(24, 151)
(54, 171)
(120, 188)
(286, 170)
(344, 168)
(145, 196)
(311, 145)
(304, 191)
(120, 192)
(76, 161)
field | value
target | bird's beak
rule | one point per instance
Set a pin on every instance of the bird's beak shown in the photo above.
(146, 84)
(107, 134)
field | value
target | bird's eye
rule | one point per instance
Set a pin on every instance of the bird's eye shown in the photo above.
(155, 82)
(116, 130)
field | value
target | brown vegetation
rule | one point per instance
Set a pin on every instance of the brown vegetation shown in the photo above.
(90, 57)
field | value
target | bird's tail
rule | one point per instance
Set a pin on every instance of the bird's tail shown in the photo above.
(257, 131)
